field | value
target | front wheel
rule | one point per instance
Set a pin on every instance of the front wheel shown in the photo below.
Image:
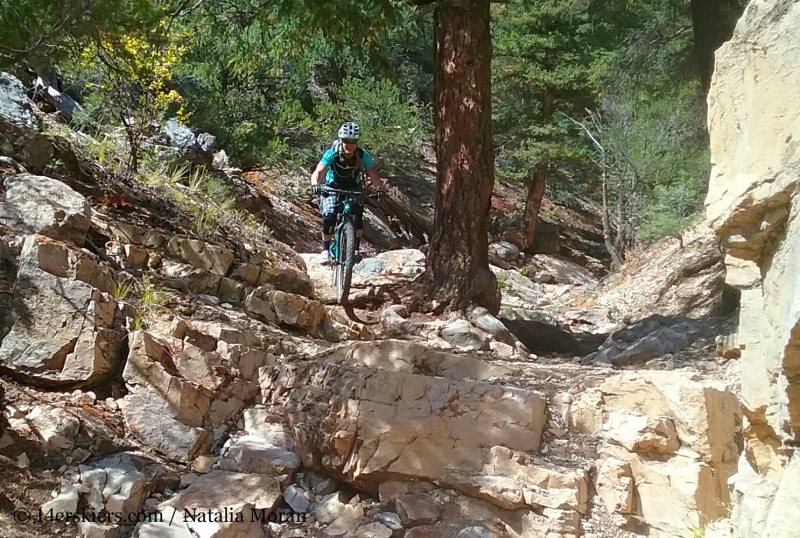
(346, 259)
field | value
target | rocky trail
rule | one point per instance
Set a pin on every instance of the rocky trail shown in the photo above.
(161, 383)
(230, 383)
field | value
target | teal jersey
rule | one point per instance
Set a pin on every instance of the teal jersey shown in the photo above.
(341, 171)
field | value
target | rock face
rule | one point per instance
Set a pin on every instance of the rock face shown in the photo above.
(383, 415)
(41, 205)
(670, 443)
(66, 331)
(183, 385)
(753, 205)
(188, 144)
(400, 420)
(14, 102)
(683, 277)
(649, 338)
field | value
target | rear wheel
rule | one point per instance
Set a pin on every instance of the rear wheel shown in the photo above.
(347, 253)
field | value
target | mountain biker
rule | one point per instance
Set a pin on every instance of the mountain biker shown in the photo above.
(343, 165)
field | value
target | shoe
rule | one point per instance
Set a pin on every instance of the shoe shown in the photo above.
(357, 257)
(323, 258)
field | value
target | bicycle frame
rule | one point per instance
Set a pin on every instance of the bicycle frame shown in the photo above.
(349, 199)
(342, 261)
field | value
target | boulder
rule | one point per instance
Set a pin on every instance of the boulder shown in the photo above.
(672, 278)
(286, 280)
(517, 289)
(279, 307)
(417, 509)
(373, 530)
(466, 517)
(461, 334)
(642, 433)
(56, 427)
(47, 88)
(118, 485)
(66, 502)
(150, 420)
(486, 322)
(189, 145)
(258, 422)
(368, 267)
(505, 250)
(220, 504)
(350, 518)
(158, 396)
(329, 507)
(42, 205)
(121, 482)
(201, 255)
(671, 442)
(14, 103)
(560, 271)
(29, 147)
(196, 376)
(65, 332)
(651, 338)
(190, 279)
(407, 261)
(252, 454)
(377, 232)
(369, 414)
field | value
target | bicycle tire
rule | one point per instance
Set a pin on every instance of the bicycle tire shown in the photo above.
(347, 254)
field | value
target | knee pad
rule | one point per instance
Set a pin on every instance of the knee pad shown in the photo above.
(328, 224)
(359, 213)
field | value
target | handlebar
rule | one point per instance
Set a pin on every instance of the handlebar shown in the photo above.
(340, 191)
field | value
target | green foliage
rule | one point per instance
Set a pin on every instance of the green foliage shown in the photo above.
(151, 295)
(43, 31)
(503, 283)
(658, 157)
(550, 58)
(651, 122)
(206, 202)
(138, 323)
(388, 123)
(625, 71)
(122, 290)
(698, 532)
(272, 81)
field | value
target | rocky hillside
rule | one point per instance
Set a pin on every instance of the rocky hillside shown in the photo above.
(753, 205)
(163, 378)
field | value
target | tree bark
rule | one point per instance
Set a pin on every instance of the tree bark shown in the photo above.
(533, 204)
(457, 271)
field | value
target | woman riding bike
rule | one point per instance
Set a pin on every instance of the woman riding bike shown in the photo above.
(343, 165)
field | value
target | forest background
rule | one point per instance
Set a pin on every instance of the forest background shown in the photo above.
(604, 98)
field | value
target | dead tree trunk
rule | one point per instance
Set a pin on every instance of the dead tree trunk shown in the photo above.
(458, 272)
(533, 204)
(616, 261)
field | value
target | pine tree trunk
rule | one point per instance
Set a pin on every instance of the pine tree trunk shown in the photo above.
(458, 260)
(533, 204)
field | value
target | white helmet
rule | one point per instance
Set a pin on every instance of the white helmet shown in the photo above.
(349, 129)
